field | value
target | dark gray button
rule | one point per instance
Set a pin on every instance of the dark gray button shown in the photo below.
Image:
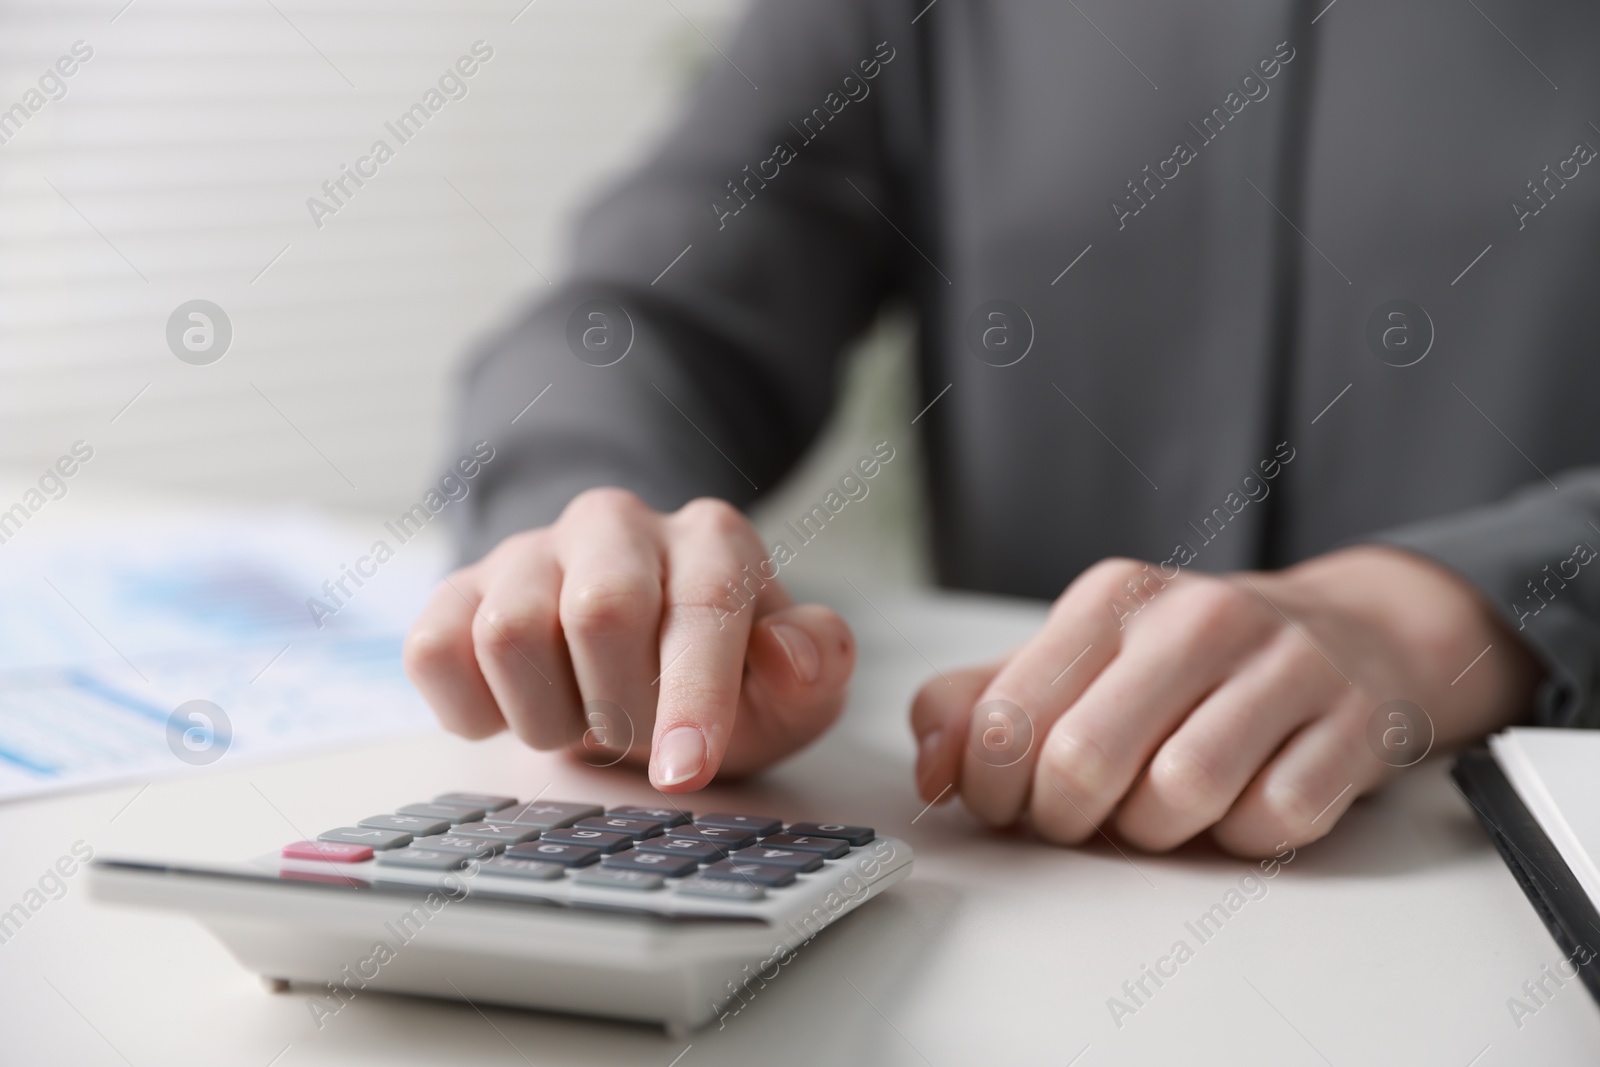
(760, 873)
(415, 825)
(619, 878)
(377, 840)
(545, 814)
(760, 825)
(782, 857)
(856, 835)
(829, 848)
(637, 829)
(551, 852)
(600, 839)
(508, 832)
(711, 887)
(518, 868)
(429, 859)
(698, 851)
(486, 801)
(664, 816)
(467, 846)
(454, 812)
(662, 863)
(724, 839)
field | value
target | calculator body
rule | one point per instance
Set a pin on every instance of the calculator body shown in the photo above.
(638, 947)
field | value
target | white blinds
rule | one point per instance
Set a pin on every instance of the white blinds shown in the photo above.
(177, 166)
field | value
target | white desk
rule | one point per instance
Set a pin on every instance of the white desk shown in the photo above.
(1396, 941)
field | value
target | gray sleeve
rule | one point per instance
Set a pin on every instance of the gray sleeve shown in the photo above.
(741, 270)
(1534, 557)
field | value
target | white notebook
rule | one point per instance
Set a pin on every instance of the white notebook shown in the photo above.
(1556, 774)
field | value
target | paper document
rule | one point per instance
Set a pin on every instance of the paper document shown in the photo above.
(201, 639)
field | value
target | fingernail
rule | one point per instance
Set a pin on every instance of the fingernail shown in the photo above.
(680, 754)
(801, 650)
(928, 748)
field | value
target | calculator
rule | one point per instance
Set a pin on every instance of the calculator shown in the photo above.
(646, 913)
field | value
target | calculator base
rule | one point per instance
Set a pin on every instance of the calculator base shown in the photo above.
(326, 942)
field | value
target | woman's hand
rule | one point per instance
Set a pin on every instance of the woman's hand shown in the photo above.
(627, 634)
(1239, 704)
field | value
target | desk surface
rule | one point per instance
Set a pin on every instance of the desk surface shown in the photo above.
(1398, 939)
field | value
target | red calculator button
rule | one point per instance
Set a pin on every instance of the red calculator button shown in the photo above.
(327, 851)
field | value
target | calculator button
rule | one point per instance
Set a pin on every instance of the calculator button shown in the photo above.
(711, 887)
(508, 832)
(600, 839)
(664, 816)
(856, 835)
(637, 829)
(415, 825)
(829, 848)
(467, 846)
(429, 859)
(552, 852)
(759, 825)
(698, 851)
(662, 863)
(760, 873)
(546, 814)
(327, 851)
(619, 878)
(782, 857)
(724, 839)
(520, 868)
(486, 801)
(454, 812)
(378, 840)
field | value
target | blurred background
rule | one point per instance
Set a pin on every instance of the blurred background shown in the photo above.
(178, 165)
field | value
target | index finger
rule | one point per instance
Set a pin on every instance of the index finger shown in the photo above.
(715, 589)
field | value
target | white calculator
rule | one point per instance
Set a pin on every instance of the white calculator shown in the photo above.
(643, 913)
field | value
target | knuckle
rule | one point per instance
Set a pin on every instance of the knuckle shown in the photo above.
(1076, 767)
(714, 516)
(1185, 780)
(1288, 812)
(1107, 577)
(605, 499)
(705, 596)
(429, 651)
(611, 605)
(1214, 605)
(501, 632)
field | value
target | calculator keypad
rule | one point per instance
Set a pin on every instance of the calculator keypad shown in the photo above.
(639, 848)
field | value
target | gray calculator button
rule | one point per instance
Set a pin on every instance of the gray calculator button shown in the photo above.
(721, 838)
(664, 816)
(415, 825)
(600, 839)
(760, 825)
(486, 801)
(460, 843)
(507, 832)
(516, 868)
(619, 878)
(829, 848)
(760, 873)
(661, 863)
(856, 835)
(551, 852)
(781, 857)
(707, 887)
(428, 859)
(638, 829)
(546, 814)
(698, 851)
(454, 812)
(375, 839)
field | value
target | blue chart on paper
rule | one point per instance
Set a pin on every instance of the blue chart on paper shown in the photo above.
(103, 641)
